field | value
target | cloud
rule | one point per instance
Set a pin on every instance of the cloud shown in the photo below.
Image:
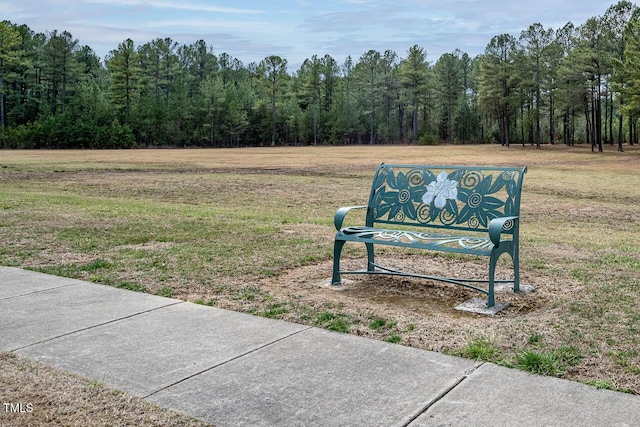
(253, 29)
(246, 27)
(195, 7)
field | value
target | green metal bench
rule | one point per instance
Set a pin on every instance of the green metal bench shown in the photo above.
(460, 209)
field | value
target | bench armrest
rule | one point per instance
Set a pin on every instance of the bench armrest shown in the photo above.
(341, 213)
(497, 225)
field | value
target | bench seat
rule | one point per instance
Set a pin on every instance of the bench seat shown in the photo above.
(420, 240)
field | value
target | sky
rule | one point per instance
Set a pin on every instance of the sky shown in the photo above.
(295, 30)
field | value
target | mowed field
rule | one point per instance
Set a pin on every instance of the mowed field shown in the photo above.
(251, 230)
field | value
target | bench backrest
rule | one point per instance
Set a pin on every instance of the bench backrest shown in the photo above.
(453, 197)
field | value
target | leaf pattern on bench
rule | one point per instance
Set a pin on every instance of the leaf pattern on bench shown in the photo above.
(400, 203)
(479, 206)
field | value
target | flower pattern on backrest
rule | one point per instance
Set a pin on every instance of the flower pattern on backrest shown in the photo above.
(441, 190)
(463, 198)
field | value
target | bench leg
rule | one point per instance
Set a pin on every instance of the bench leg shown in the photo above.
(337, 251)
(516, 270)
(492, 272)
(370, 257)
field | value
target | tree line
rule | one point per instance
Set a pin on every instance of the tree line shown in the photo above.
(575, 84)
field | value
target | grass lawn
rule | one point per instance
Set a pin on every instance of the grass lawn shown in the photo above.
(252, 230)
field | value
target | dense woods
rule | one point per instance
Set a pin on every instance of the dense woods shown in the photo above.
(575, 84)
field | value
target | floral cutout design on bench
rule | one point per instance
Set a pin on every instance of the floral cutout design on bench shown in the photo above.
(441, 190)
(459, 198)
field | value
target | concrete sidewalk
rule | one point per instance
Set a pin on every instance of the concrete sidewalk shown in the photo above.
(234, 369)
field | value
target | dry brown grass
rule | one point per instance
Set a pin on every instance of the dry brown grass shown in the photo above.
(251, 230)
(52, 397)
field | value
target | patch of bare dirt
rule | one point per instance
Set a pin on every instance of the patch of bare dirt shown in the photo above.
(424, 310)
(398, 294)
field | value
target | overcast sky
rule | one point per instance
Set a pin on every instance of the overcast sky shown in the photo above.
(250, 30)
